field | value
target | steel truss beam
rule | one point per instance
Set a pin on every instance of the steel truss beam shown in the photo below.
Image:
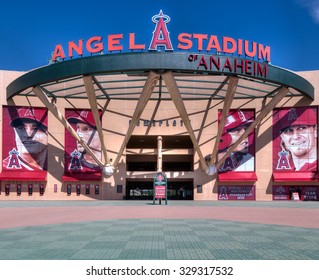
(54, 110)
(180, 106)
(231, 89)
(93, 103)
(147, 91)
(282, 92)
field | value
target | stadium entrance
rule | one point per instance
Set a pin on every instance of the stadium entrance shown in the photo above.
(143, 190)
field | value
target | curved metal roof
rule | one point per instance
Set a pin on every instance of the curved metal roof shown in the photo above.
(195, 81)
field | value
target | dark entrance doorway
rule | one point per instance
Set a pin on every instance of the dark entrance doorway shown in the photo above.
(180, 190)
(139, 190)
(143, 190)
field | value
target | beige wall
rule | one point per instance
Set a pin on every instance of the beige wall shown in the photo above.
(115, 124)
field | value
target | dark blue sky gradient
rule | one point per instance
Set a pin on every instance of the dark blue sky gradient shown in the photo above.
(31, 29)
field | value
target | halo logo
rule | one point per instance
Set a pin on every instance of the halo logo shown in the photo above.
(161, 41)
(160, 33)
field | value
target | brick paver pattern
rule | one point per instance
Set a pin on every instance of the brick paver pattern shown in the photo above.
(139, 230)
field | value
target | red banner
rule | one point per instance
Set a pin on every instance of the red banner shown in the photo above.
(295, 139)
(77, 159)
(25, 139)
(243, 157)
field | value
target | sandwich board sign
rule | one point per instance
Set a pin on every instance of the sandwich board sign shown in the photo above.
(160, 188)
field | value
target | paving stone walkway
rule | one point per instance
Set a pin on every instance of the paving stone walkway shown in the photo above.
(182, 230)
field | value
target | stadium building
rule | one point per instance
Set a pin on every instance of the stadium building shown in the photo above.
(214, 120)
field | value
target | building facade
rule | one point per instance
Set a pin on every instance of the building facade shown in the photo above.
(212, 121)
(76, 130)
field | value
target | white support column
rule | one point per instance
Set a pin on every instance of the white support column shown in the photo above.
(159, 154)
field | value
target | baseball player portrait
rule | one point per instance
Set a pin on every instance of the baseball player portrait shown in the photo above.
(242, 158)
(295, 139)
(77, 158)
(28, 127)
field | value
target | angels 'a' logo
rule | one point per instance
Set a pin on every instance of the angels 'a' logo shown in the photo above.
(292, 115)
(283, 161)
(223, 193)
(228, 165)
(84, 114)
(29, 113)
(14, 162)
(280, 190)
(75, 163)
(160, 33)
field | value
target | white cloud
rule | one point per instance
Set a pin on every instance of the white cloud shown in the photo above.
(315, 13)
(313, 8)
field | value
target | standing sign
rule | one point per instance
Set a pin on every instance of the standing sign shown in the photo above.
(160, 188)
(295, 196)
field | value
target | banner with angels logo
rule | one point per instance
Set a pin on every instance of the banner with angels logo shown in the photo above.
(77, 159)
(295, 139)
(243, 156)
(25, 139)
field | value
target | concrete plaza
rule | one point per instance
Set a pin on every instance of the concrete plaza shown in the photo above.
(181, 230)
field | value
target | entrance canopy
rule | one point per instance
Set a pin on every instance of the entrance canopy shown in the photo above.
(172, 76)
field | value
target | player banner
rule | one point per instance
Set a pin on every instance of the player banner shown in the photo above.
(25, 139)
(243, 157)
(77, 159)
(295, 139)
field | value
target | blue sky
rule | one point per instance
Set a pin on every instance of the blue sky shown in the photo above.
(30, 30)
